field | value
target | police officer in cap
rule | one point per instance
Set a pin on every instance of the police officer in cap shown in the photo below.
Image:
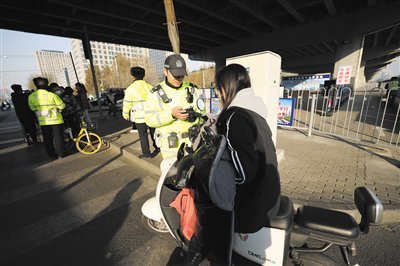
(48, 107)
(166, 106)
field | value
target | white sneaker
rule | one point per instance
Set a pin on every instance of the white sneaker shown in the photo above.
(133, 131)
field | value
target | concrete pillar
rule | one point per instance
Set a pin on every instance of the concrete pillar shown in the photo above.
(361, 80)
(349, 53)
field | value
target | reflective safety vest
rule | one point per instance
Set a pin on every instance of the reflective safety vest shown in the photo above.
(135, 96)
(47, 106)
(170, 133)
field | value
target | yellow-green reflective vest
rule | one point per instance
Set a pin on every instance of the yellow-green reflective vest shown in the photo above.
(158, 115)
(134, 99)
(47, 106)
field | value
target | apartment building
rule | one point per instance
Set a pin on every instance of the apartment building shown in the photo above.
(56, 66)
(104, 55)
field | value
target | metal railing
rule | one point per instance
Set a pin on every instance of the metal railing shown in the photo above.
(362, 115)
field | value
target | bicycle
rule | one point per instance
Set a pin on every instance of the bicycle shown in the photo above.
(86, 142)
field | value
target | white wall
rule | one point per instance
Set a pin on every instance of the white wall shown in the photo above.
(264, 69)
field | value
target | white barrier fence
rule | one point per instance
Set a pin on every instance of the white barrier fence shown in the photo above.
(367, 115)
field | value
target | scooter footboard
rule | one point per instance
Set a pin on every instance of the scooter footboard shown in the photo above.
(266, 246)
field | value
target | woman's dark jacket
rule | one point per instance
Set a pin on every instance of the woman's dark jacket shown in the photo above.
(254, 154)
(257, 183)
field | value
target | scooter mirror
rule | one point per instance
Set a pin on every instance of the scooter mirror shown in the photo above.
(200, 104)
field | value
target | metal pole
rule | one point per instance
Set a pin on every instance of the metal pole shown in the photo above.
(73, 64)
(93, 74)
(67, 76)
(310, 126)
(204, 81)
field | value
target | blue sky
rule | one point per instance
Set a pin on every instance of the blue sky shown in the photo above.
(18, 62)
(17, 51)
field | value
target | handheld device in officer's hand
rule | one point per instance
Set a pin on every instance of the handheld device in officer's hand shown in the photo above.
(193, 115)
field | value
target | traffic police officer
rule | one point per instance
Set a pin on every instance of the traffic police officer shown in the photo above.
(47, 107)
(133, 109)
(166, 104)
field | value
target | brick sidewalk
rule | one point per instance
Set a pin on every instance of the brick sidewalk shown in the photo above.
(325, 170)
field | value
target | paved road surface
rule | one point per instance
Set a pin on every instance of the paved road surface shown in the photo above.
(85, 210)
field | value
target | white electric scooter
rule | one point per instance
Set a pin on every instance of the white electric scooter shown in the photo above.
(284, 240)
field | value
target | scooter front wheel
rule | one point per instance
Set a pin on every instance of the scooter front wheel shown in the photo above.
(154, 226)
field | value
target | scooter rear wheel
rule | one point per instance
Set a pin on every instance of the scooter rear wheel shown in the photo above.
(154, 226)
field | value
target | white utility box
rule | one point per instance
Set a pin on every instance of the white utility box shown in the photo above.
(265, 72)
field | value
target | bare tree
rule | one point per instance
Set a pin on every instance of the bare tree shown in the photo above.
(203, 77)
(121, 69)
(151, 73)
(89, 80)
(108, 81)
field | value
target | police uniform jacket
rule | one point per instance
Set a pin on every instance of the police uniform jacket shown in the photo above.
(158, 115)
(134, 99)
(47, 106)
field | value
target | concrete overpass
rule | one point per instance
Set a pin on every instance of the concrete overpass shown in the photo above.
(310, 35)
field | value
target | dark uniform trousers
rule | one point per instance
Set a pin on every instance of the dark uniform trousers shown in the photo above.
(53, 140)
(29, 127)
(144, 141)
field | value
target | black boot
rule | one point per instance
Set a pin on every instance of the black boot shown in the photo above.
(195, 254)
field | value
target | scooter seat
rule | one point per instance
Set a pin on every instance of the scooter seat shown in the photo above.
(284, 218)
(327, 225)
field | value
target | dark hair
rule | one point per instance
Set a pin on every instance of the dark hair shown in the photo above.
(16, 87)
(68, 90)
(138, 72)
(80, 87)
(231, 79)
(53, 85)
(41, 83)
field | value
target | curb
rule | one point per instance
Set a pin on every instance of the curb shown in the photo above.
(128, 154)
(154, 170)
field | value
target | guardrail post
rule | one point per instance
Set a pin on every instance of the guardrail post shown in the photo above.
(311, 124)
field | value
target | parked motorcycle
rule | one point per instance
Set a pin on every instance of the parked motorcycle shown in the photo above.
(285, 240)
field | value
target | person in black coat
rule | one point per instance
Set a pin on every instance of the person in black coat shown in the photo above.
(243, 122)
(25, 115)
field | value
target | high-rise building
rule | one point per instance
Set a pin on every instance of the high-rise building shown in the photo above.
(104, 55)
(56, 66)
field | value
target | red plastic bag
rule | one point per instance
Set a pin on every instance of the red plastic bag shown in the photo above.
(184, 205)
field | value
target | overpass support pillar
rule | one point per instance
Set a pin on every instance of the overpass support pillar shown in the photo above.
(349, 53)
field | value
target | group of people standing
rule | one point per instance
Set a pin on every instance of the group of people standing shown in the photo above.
(242, 121)
(162, 110)
(52, 108)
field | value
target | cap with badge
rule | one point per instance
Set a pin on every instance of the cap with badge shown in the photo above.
(176, 65)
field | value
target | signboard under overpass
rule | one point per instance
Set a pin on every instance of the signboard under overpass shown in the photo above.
(305, 82)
